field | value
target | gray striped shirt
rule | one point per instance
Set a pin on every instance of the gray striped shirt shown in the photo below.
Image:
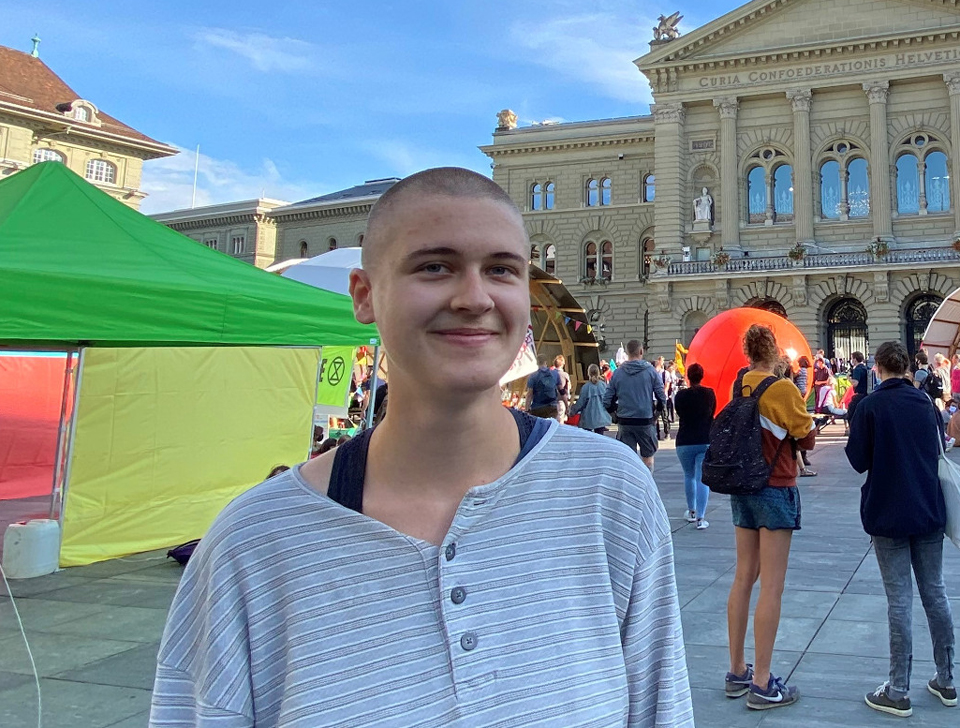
(551, 602)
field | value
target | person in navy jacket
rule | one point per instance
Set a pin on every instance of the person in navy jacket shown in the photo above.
(895, 438)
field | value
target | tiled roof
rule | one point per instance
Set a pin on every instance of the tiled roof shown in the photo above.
(370, 188)
(28, 81)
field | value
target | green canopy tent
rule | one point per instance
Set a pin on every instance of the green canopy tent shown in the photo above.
(147, 307)
(79, 268)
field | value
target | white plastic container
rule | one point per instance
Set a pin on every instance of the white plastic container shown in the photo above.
(31, 549)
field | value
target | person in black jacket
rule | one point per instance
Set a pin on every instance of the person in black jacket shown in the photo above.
(894, 438)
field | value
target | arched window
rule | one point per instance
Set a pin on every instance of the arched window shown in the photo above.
(100, 170)
(304, 249)
(923, 177)
(535, 254)
(606, 260)
(756, 195)
(830, 190)
(767, 304)
(536, 197)
(590, 260)
(593, 193)
(647, 249)
(549, 194)
(916, 316)
(908, 185)
(332, 244)
(783, 193)
(936, 179)
(692, 323)
(858, 187)
(846, 328)
(649, 188)
(550, 259)
(605, 189)
(46, 155)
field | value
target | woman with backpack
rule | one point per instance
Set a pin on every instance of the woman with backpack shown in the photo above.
(589, 405)
(765, 522)
(695, 406)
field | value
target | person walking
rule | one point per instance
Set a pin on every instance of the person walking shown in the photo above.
(589, 404)
(695, 407)
(894, 439)
(632, 390)
(764, 524)
(563, 401)
(802, 380)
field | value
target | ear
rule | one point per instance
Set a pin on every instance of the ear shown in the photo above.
(362, 293)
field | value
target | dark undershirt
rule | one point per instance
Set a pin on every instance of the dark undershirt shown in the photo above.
(350, 460)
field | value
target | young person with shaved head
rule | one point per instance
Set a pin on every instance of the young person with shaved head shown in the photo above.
(462, 564)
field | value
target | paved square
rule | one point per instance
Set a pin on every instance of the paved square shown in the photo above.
(94, 630)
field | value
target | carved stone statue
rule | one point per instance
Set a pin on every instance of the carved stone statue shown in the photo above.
(506, 119)
(667, 29)
(703, 207)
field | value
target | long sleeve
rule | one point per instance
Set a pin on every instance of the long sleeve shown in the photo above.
(658, 390)
(611, 391)
(653, 644)
(859, 448)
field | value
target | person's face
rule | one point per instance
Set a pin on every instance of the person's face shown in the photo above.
(449, 292)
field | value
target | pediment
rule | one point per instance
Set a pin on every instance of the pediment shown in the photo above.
(764, 26)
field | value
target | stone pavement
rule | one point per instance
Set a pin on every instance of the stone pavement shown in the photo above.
(94, 630)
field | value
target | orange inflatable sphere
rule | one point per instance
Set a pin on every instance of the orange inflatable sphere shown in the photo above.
(718, 346)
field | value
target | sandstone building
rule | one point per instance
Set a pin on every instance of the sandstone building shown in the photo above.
(43, 119)
(801, 156)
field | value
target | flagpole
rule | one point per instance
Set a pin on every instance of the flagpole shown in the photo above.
(196, 171)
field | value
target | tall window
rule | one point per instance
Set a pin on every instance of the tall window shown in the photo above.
(783, 193)
(549, 195)
(923, 177)
(598, 260)
(211, 243)
(844, 182)
(542, 196)
(46, 155)
(916, 316)
(649, 188)
(304, 249)
(605, 189)
(535, 254)
(593, 193)
(550, 259)
(237, 243)
(846, 328)
(769, 187)
(536, 197)
(756, 195)
(100, 170)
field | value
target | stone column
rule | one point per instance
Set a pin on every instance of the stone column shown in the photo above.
(729, 177)
(800, 100)
(953, 86)
(877, 92)
(668, 152)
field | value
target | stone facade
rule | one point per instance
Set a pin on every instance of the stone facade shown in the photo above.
(244, 230)
(826, 130)
(42, 119)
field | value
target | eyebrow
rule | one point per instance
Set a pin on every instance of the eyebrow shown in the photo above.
(443, 251)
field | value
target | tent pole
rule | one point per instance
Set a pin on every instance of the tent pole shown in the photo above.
(55, 486)
(65, 487)
(373, 386)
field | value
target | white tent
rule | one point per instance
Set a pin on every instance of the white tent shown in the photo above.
(329, 271)
(943, 332)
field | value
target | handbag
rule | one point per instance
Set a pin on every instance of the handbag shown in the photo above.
(950, 485)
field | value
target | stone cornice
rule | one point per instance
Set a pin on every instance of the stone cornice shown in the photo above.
(342, 209)
(498, 150)
(215, 221)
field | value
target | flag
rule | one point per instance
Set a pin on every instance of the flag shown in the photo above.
(526, 361)
(678, 358)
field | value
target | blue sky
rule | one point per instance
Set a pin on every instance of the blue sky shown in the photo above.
(297, 99)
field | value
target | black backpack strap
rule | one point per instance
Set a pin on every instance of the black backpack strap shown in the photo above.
(738, 384)
(763, 386)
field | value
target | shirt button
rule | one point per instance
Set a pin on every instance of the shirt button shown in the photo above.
(468, 641)
(458, 594)
(450, 551)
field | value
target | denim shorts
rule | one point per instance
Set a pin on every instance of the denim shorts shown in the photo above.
(772, 508)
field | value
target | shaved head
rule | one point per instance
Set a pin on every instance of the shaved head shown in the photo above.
(437, 182)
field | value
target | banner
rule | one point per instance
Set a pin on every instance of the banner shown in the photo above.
(166, 437)
(526, 361)
(333, 387)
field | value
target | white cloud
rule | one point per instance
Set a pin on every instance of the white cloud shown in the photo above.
(597, 48)
(265, 53)
(403, 158)
(169, 182)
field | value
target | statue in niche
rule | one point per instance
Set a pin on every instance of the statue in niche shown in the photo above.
(506, 119)
(703, 207)
(667, 28)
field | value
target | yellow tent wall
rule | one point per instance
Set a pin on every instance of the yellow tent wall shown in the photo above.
(166, 437)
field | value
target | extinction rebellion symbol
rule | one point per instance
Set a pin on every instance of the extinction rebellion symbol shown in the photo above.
(336, 370)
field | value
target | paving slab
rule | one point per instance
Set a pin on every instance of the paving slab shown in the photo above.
(68, 704)
(134, 668)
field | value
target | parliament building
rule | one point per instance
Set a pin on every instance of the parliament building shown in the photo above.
(802, 156)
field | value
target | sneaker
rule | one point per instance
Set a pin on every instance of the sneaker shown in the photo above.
(702, 524)
(948, 445)
(738, 685)
(948, 696)
(880, 700)
(690, 516)
(777, 695)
